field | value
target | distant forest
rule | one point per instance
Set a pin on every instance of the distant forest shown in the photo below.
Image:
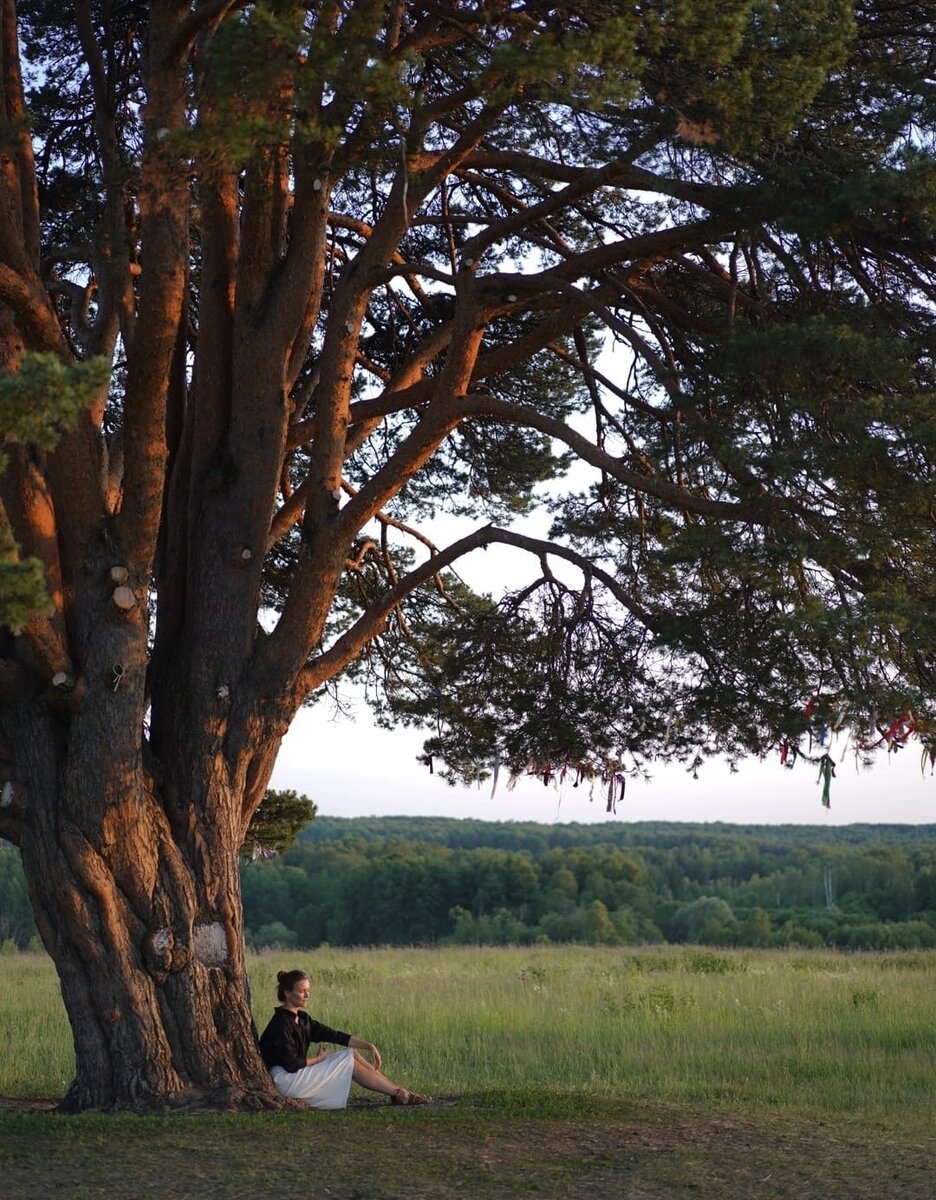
(425, 881)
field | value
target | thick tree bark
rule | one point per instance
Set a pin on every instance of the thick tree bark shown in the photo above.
(130, 836)
(143, 920)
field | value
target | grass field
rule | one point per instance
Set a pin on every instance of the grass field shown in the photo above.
(572, 1072)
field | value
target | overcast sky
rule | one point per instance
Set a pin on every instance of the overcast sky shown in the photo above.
(352, 769)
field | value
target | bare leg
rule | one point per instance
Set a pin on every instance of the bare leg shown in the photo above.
(369, 1077)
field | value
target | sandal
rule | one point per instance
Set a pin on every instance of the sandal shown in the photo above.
(404, 1096)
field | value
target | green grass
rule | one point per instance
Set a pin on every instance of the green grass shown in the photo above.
(764, 1031)
(575, 1072)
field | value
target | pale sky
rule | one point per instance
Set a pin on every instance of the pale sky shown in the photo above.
(352, 769)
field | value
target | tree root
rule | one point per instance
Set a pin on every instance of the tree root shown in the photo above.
(185, 1103)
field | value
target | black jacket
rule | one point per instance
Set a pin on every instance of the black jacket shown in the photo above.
(285, 1041)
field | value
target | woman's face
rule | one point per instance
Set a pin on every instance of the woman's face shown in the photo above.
(298, 997)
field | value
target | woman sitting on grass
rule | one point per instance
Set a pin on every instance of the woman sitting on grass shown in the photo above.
(324, 1080)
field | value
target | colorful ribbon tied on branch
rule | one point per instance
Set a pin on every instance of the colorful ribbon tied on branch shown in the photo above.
(826, 775)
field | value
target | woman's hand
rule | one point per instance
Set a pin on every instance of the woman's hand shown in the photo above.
(317, 1058)
(372, 1050)
(357, 1043)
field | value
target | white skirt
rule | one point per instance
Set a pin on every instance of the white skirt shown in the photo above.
(324, 1085)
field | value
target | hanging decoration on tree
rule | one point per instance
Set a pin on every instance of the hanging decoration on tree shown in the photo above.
(826, 775)
(616, 786)
(822, 723)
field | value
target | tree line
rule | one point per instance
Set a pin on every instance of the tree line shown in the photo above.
(429, 881)
(405, 881)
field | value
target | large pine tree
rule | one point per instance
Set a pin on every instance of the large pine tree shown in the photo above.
(348, 265)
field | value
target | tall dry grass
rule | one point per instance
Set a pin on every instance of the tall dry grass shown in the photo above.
(805, 1032)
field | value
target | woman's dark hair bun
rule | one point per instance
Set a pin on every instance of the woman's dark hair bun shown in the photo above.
(287, 980)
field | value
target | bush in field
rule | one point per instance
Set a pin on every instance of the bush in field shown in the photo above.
(903, 935)
(499, 929)
(708, 920)
(756, 929)
(791, 934)
(274, 936)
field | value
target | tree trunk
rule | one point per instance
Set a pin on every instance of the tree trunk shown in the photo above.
(143, 921)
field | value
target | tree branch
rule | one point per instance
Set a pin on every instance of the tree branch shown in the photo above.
(116, 307)
(628, 176)
(164, 230)
(21, 186)
(36, 318)
(207, 15)
(349, 646)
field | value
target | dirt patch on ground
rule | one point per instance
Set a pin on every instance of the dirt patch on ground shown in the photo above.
(463, 1149)
(15, 1104)
(32, 1104)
